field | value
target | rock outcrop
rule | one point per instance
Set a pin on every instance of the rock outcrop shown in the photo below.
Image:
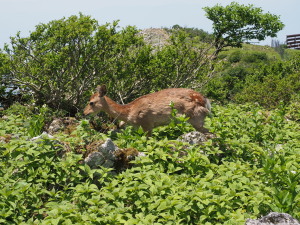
(274, 218)
(110, 156)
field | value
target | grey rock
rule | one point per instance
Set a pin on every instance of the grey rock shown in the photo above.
(55, 126)
(110, 156)
(274, 218)
(156, 37)
(193, 138)
(2, 140)
(98, 159)
(108, 147)
(105, 156)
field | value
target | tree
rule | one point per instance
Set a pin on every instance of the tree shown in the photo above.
(182, 63)
(5, 88)
(60, 62)
(235, 23)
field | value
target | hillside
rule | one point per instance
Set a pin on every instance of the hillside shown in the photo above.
(160, 37)
(156, 37)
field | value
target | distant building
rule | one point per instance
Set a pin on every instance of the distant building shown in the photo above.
(293, 41)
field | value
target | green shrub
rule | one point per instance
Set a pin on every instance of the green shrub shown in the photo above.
(250, 168)
(61, 62)
(235, 57)
(271, 84)
(293, 109)
(255, 57)
(267, 141)
(271, 91)
(193, 33)
(228, 84)
(35, 174)
(18, 109)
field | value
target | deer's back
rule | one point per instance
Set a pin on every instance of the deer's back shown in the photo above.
(155, 107)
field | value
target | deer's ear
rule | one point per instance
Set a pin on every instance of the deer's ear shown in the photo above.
(101, 89)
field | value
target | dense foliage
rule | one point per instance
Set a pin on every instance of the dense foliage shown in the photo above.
(273, 84)
(193, 33)
(5, 94)
(60, 62)
(257, 77)
(63, 61)
(248, 170)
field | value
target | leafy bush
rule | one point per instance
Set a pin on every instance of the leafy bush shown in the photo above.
(180, 63)
(249, 169)
(253, 57)
(62, 61)
(230, 78)
(235, 57)
(254, 77)
(268, 141)
(34, 173)
(227, 84)
(272, 84)
(18, 109)
(7, 90)
(194, 33)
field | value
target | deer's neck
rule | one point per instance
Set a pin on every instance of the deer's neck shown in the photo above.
(116, 110)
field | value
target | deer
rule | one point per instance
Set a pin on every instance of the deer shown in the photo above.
(153, 110)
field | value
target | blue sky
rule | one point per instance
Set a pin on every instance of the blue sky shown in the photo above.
(24, 15)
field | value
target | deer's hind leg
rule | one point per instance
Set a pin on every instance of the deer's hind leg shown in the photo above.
(198, 122)
(147, 129)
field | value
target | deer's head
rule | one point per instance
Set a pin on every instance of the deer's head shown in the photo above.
(97, 101)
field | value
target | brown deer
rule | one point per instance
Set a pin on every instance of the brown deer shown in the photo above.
(153, 110)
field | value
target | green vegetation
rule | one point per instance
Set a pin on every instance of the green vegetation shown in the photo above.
(193, 33)
(256, 76)
(63, 61)
(60, 62)
(250, 167)
(248, 170)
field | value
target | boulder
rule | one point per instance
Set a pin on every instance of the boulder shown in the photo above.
(110, 156)
(104, 156)
(56, 125)
(156, 37)
(193, 138)
(66, 124)
(274, 218)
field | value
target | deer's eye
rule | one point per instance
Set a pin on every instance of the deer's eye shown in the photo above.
(91, 103)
